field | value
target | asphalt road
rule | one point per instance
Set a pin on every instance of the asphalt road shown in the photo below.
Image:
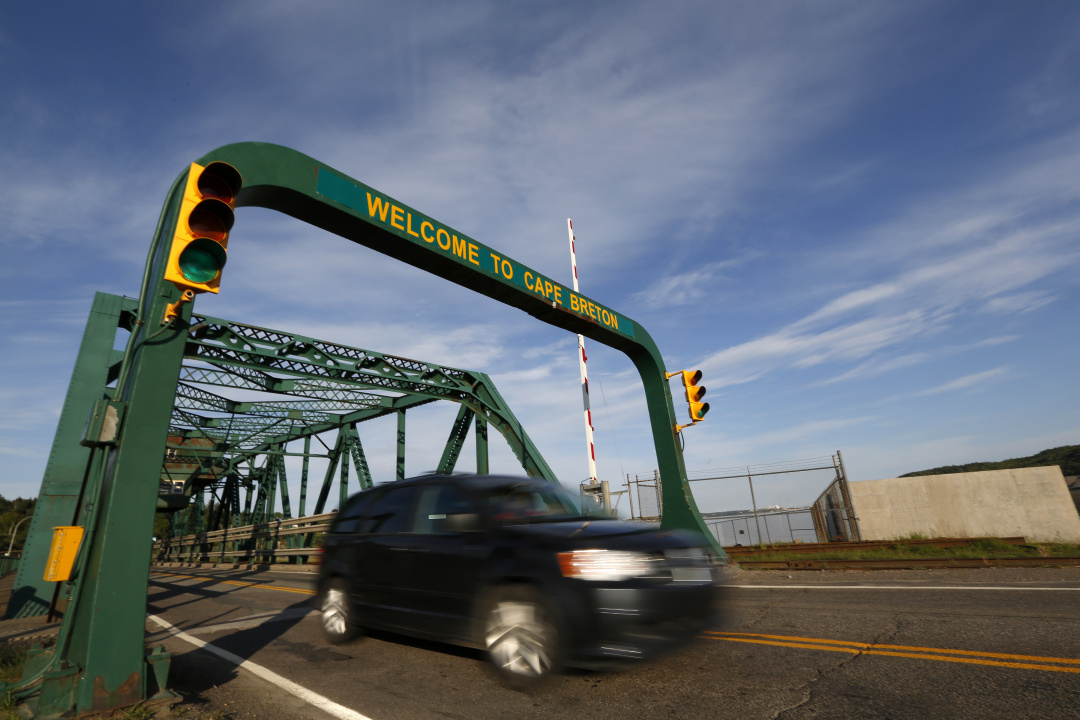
(988, 643)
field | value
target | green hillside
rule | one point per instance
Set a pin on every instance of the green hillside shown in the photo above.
(1067, 456)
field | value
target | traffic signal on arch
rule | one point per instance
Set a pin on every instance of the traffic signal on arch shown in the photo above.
(198, 249)
(694, 394)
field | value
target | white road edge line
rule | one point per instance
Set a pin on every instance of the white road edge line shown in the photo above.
(312, 698)
(904, 587)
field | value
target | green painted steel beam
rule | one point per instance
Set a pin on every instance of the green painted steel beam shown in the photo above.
(356, 449)
(400, 466)
(481, 440)
(458, 432)
(331, 469)
(304, 475)
(62, 484)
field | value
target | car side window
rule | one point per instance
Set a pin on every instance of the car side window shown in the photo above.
(348, 518)
(435, 504)
(389, 513)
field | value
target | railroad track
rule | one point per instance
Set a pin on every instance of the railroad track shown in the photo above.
(738, 551)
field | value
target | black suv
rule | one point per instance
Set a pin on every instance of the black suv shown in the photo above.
(512, 566)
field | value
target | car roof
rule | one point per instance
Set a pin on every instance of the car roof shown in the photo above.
(476, 482)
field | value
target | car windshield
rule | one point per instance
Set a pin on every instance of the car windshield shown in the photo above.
(532, 503)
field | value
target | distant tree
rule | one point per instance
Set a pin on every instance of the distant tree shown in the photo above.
(1066, 456)
(162, 525)
(12, 512)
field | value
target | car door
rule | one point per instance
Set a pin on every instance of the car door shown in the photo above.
(344, 547)
(381, 556)
(447, 551)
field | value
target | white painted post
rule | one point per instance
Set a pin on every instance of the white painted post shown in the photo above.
(584, 371)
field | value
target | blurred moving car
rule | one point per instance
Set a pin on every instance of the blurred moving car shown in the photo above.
(512, 566)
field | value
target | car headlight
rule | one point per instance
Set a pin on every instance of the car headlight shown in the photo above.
(605, 564)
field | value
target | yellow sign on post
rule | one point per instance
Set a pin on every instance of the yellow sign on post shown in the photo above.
(65, 545)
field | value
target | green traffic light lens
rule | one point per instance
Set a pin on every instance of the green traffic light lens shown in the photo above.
(201, 261)
(701, 411)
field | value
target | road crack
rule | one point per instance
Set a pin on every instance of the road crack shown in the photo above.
(810, 686)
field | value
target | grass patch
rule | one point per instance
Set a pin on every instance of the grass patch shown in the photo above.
(139, 712)
(989, 548)
(12, 655)
(8, 705)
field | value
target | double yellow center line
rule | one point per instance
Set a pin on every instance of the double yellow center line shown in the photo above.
(971, 657)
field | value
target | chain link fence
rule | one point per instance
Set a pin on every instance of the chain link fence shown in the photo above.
(793, 501)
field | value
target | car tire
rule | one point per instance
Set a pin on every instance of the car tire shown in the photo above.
(521, 637)
(336, 613)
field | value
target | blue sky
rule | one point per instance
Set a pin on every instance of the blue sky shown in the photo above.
(861, 220)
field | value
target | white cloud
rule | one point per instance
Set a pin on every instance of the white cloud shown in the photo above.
(1018, 303)
(965, 382)
(879, 367)
(685, 288)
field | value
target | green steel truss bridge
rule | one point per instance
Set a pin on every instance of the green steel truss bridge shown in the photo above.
(224, 446)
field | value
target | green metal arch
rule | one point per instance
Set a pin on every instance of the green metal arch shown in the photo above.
(282, 179)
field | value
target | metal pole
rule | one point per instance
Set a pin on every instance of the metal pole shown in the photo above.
(630, 491)
(12, 543)
(753, 502)
(853, 521)
(659, 495)
(583, 371)
(790, 532)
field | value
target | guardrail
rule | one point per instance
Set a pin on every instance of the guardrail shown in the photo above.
(9, 563)
(290, 538)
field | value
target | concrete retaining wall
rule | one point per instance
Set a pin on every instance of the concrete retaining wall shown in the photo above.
(1033, 502)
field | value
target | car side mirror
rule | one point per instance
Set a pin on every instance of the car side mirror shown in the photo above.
(462, 523)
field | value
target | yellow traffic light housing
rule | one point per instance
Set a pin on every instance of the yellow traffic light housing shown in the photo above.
(694, 394)
(198, 248)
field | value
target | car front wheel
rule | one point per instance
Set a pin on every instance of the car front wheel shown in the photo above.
(336, 613)
(521, 637)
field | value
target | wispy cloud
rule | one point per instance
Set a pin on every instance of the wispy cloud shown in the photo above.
(883, 365)
(1018, 303)
(685, 288)
(968, 381)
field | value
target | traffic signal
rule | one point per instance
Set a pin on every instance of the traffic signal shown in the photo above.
(202, 230)
(694, 393)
